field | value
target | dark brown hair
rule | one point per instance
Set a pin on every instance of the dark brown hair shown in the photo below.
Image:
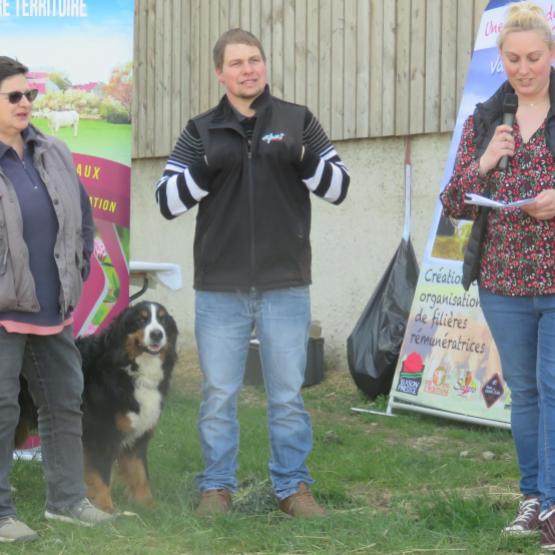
(234, 36)
(10, 67)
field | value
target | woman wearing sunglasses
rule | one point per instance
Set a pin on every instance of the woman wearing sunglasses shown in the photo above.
(46, 238)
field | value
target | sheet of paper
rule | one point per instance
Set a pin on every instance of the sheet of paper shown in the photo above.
(479, 200)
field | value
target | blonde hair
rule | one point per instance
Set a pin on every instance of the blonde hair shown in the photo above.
(526, 16)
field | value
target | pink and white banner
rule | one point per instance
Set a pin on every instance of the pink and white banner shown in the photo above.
(80, 56)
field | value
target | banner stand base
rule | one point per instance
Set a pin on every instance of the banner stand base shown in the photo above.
(388, 410)
(368, 411)
(392, 403)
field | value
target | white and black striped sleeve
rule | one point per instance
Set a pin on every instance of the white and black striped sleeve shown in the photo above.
(185, 180)
(322, 170)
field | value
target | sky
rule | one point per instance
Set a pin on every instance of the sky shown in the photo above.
(84, 49)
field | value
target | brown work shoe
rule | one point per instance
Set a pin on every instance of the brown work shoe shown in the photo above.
(214, 502)
(301, 504)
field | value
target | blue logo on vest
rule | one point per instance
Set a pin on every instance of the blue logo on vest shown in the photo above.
(273, 137)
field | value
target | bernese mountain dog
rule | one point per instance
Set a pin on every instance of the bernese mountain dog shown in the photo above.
(127, 370)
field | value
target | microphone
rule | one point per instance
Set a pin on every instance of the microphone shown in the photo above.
(510, 105)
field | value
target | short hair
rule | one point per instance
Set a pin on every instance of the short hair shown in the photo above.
(10, 67)
(234, 36)
(526, 16)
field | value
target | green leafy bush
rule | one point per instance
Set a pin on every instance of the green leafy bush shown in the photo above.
(113, 111)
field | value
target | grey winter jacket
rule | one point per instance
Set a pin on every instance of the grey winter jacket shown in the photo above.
(73, 246)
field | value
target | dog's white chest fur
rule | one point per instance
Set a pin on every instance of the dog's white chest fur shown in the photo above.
(149, 398)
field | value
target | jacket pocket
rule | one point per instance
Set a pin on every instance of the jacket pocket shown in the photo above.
(3, 256)
(76, 275)
(8, 297)
(79, 244)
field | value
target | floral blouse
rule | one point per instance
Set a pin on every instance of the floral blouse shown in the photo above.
(518, 256)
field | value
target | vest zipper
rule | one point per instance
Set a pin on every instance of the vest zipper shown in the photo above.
(251, 211)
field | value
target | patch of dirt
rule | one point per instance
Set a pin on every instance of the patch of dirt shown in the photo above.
(424, 443)
(382, 500)
(379, 500)
(187, 377)
(508, 491)
(339, 380)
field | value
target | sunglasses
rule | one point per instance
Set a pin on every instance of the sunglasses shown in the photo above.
(15, 96)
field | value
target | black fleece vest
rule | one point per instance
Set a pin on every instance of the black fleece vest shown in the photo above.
(253, 228)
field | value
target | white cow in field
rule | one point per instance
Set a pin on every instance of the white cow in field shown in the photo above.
(65, 118)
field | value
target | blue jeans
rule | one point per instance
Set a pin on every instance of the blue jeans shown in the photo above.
(223, 327)
(524, 331)
(52, 366)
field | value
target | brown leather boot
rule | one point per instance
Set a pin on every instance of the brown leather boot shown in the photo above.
(301, 504)
(214, 502)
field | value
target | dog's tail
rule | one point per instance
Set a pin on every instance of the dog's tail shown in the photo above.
(28, 417)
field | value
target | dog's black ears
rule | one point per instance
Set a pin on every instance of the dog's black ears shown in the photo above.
(170, 325)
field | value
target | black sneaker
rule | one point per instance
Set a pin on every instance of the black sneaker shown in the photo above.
(547, 519)
(526, 521)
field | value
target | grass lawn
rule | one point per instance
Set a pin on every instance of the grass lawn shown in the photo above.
(401, 485)
(96, 138)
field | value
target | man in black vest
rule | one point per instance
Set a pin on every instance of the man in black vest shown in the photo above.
(250, 164)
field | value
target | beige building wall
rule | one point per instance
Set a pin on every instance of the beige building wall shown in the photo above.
(352, 243)
(366, 68)
(372, 71)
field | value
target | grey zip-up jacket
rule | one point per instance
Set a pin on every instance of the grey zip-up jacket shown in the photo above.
(74, 241)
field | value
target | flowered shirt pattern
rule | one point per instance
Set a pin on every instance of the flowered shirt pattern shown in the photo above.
(518, 256)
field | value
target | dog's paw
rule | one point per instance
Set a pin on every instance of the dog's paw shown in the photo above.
(101, 499)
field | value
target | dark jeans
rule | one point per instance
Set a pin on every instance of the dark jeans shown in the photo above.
(52, 366)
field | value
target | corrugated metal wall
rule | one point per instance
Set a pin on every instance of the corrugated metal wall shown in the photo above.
(366, 68)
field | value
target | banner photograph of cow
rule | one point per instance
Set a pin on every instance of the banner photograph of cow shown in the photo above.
(78, 112)
(81, 63)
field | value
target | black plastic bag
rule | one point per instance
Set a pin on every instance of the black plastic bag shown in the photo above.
(373, 346)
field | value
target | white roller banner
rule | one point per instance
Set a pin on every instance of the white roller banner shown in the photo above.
(448, 364)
